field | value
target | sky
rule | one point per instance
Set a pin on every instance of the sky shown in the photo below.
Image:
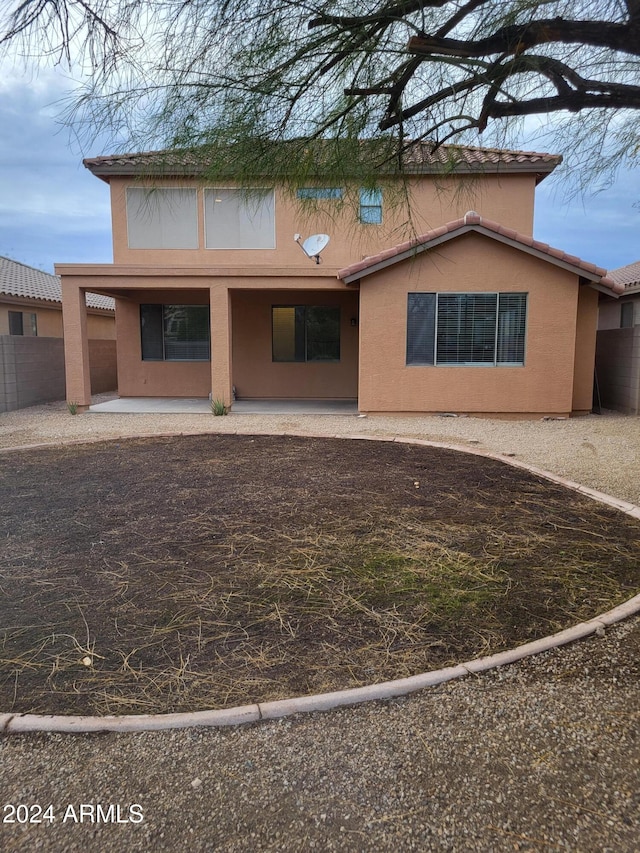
(53, 210)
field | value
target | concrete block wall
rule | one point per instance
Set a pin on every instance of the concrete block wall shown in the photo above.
(618, 369)
(32, 370)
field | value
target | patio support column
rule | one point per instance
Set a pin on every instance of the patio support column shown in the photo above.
(76, 343)
(220, 304)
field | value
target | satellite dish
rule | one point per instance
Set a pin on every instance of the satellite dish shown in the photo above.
(313, 245)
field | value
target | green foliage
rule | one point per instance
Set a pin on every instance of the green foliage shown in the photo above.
(259, 83)
(219, 407)
(72, 406)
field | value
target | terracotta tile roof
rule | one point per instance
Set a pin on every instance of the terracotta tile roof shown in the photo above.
(171, 162)
(628, 276)
(472, 156)
(472, 221)
(419, 158)
(18, 279)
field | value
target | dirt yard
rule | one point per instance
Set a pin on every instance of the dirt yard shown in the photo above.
(155, 575)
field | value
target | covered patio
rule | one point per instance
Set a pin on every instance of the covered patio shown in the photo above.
(195, 334)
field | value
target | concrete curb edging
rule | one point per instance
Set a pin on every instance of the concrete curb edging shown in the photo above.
(23, 723)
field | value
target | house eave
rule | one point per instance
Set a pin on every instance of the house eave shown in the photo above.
(586, 276)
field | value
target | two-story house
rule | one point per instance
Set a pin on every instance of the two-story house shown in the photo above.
(442, 302)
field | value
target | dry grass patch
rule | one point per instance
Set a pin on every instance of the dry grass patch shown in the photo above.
(204, 572)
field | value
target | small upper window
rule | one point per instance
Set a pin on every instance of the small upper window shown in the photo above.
(626, 315)
(319, 193)
(371, 207)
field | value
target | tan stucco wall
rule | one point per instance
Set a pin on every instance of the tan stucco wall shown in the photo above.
(508, 199)
(253, 372)
(585, 352)
(138, 378)
(467, 264)
(49, 320)
(101, 328)
(256, 375)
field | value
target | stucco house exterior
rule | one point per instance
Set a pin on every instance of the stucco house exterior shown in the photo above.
(31, 304)
(618, 343)
(441, 303)
(32, 367)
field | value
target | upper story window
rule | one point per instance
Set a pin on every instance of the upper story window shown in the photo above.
(371, 207)
(320, 193)
(164, 218)
(482, 329)
(239, 218)
(23, 323)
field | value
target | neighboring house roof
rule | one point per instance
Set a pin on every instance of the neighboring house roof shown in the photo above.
(628, 277)
(472, 221)
(419, 158)
(20, 280)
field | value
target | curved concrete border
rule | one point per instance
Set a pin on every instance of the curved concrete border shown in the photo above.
(21, 723)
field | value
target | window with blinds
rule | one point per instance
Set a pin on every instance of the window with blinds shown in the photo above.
(482, 329)
(305, 333)
(175, 332)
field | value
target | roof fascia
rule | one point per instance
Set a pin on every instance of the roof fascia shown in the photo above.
(30, 301)
(601, 288)
(540, 170)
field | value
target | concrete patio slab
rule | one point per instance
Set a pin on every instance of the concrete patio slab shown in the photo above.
(201, 405)
(295, 407)
(154, 405)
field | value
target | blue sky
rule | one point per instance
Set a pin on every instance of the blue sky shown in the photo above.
(52, 210)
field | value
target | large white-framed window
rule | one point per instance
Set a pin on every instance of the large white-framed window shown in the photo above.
(162, 218)
(175, 332)
(466, 329)
(239, 218)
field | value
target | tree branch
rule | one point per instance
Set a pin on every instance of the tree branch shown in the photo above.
(393, 12)
(516, 38)
(576, 101)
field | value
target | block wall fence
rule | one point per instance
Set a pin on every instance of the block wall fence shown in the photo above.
(32, 370)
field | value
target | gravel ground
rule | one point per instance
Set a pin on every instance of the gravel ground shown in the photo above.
(542, 755)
